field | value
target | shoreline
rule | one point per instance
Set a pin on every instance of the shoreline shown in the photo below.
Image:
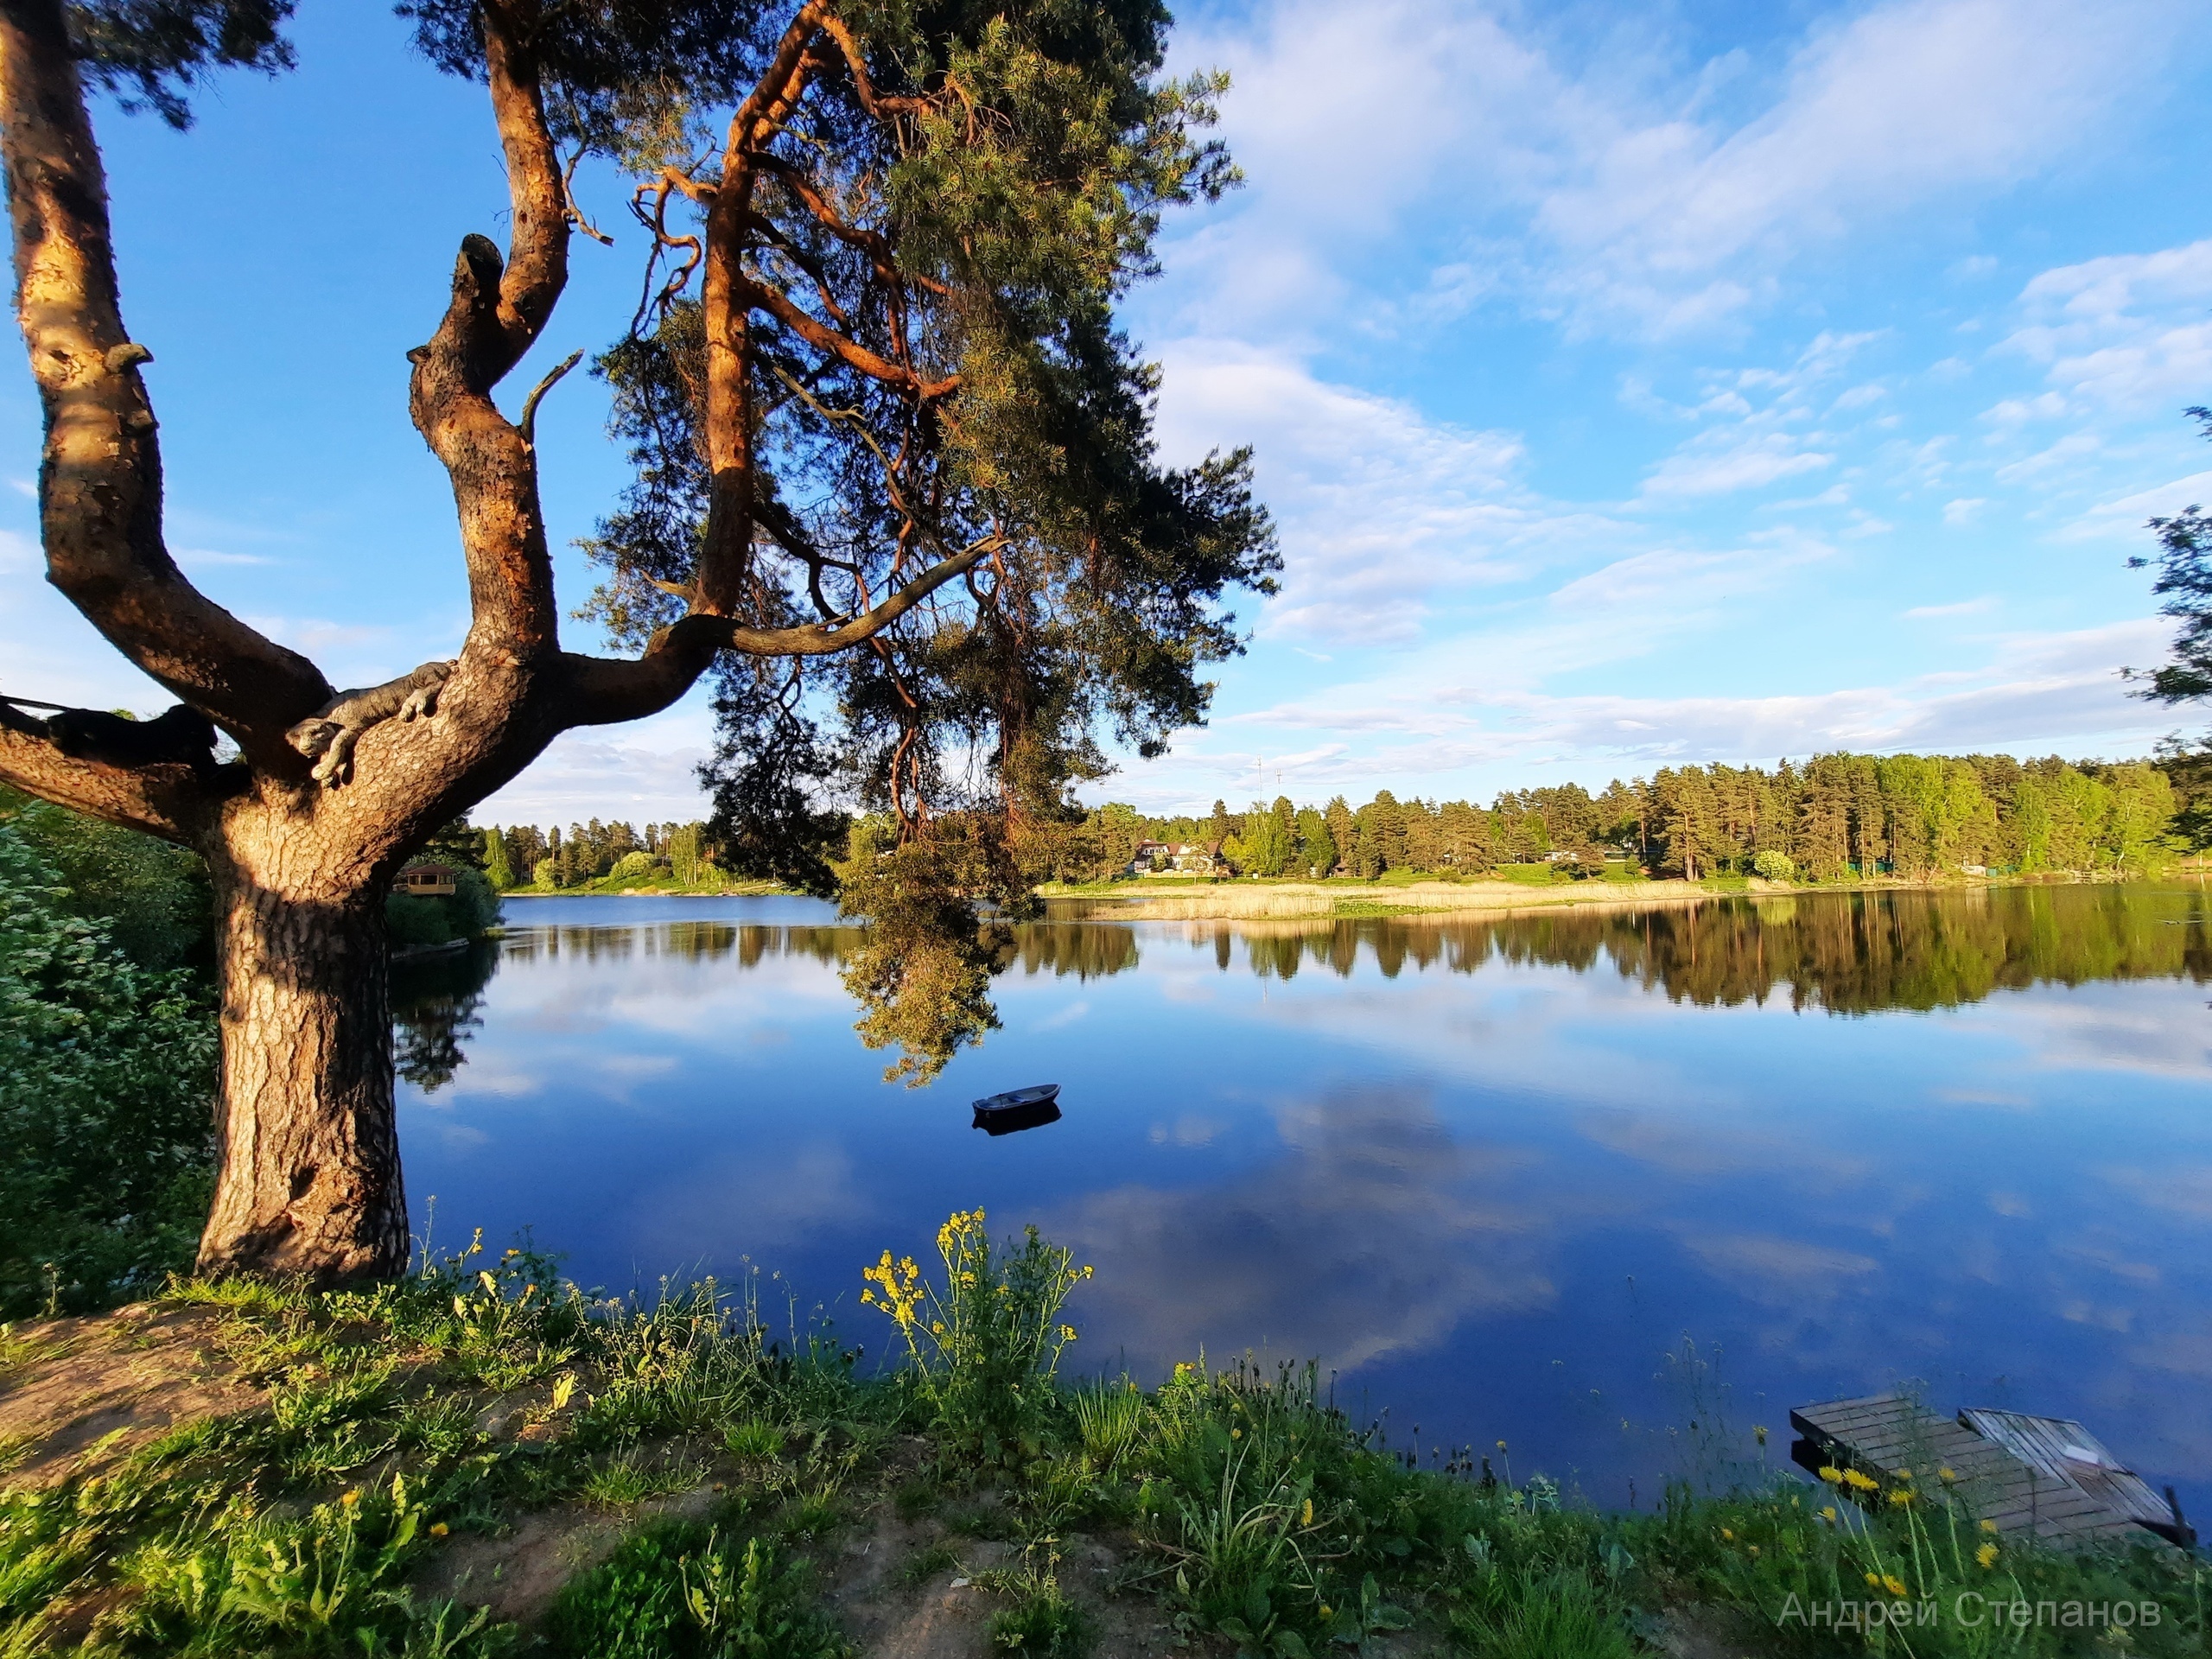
(1318, 901)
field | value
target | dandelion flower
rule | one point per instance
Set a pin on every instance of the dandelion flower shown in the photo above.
(1859, 1481)
(1828, 1514)
(1728, 1534)
(1327, 1612)
(1874, 1580)
(1989, 1526)
(1831, 1474)
(1235, 1434)
(1893, 1584)
(1306, 1514)
(1987, 1556)
(1899, 1496)
(1754, 1548)
(350, 1499)
(438, 1529)
(1947, 1475)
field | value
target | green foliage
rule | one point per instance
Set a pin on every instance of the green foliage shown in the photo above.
(984, 1346)
(106, 1073)
(152, 899)
(497, 869)
(427, 919)
(2184, 584)
(1039, 1621)
(151, 53)
(678, 1589)
(1771, 866)
(922, 976)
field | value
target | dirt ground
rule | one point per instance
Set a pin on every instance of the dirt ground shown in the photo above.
(84, 1393)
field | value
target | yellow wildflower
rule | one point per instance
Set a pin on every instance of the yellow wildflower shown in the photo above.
(1986, 1555)
(936, 1327)
(1067, 1333)
(350, 1499)
(1893, 1584)
(1874, 1580)
(1859, 1481)
(1754, 1548)
(1831, 1474)
(1828, 1514)
(1947, 1475)
(1728, 1534)
(1235, 1434)
(1306, 1514)
(1759, 1430)
(1989, 1526)
(1327, 1612)
(1899, 1496)
(438, 1529)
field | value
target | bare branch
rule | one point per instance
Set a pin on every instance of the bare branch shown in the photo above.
(528, 424)
(100, 482)
(778, 305)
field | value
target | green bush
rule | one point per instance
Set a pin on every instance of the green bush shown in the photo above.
(417, 919)
(152, 898)
(107, 1070)
(679, 1589)
(1771, 866)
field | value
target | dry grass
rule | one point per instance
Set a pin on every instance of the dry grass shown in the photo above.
(1292, 900)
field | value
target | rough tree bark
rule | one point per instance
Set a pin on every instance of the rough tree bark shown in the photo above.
(309, 1180)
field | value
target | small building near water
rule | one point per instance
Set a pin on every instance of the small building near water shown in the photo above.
(425, 882)
(1177, 858)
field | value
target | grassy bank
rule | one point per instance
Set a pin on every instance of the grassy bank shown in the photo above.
(481, 1460)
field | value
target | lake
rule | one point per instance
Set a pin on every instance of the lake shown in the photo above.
(1577, 1181)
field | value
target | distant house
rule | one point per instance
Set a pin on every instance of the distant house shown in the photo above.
(425, 882)
(1561, 856)
(1177, 858)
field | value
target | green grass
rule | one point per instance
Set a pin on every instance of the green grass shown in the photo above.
(405, 1414)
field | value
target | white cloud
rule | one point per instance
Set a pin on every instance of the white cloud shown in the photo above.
(1671, 223)
(2126, 331)
(647, 772)
(1748, 466)
(1379, 507)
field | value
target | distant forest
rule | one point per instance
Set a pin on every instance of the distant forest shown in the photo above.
(524, 856)
(1835, 817)
(1838, 816)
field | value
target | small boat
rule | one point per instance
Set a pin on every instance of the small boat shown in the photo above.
(1019, 1108)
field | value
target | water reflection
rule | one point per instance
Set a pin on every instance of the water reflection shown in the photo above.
(1845, 953)
(1489, 1169)
(434, 1003)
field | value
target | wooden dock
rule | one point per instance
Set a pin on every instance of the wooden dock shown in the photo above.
(2044, 1478)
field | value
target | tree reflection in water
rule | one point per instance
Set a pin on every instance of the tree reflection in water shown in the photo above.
(1849, 953)
(433, 1007)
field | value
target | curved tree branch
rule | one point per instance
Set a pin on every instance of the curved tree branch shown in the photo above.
(602, 691)
(498, 308)
(100, 480)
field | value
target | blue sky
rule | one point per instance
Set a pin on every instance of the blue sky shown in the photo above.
(1634, 385)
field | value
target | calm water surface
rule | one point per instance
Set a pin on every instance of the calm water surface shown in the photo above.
(1492, 1173)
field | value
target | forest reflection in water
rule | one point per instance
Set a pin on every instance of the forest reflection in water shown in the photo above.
(1847, 953)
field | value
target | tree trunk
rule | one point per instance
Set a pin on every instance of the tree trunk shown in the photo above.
(309, 1179)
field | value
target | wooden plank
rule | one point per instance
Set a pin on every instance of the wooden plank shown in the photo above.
(2046, 1476)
